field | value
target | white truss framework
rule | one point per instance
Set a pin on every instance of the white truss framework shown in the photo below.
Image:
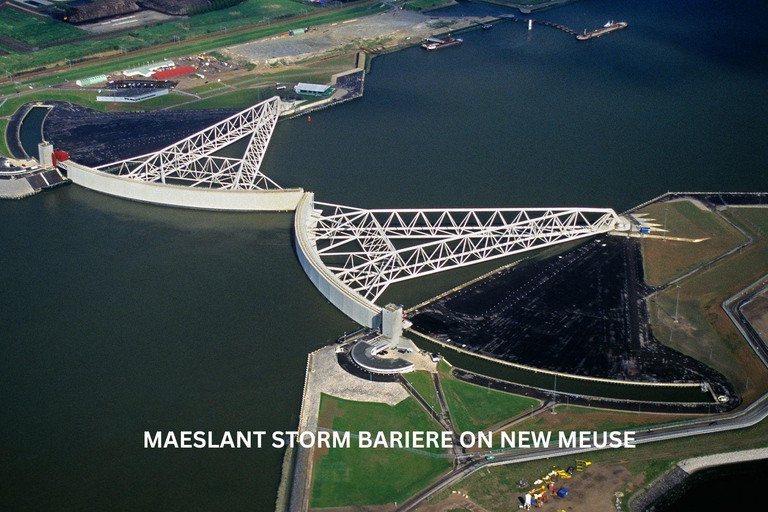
(370, 249)
(193, 161)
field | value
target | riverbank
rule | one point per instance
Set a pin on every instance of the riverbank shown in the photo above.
(673, 482)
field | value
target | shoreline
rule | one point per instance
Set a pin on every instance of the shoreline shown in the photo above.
(674, 481)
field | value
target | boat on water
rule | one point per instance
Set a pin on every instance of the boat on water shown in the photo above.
(608, 27)
(432, 43)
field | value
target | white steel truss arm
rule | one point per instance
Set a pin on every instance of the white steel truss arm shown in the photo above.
(193, 161)
(370, 249)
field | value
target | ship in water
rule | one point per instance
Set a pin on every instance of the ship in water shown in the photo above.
(608, 27)
(432, 43)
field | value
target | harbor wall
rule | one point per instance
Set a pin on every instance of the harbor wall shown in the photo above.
(184, 197)
(362, 311)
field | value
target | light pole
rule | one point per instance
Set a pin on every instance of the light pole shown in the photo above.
(666, 210)
(677, 303)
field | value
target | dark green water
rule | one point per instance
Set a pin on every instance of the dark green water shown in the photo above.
(30, 131)
(116, 317)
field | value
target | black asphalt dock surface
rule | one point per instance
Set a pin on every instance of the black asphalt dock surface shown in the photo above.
(95, 138)
(580, 312)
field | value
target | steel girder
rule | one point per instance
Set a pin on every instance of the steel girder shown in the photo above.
(370, 249)
(192, 161)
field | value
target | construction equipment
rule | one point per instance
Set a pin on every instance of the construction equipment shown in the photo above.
(581, 464)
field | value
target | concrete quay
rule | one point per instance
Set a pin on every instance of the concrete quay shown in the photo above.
(325, 376)
(694, 464)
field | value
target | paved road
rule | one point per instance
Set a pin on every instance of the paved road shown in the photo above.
(747, 418)
(750, 416)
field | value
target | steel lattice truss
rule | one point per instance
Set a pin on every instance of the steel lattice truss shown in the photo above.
(370, 249)
(194, 161)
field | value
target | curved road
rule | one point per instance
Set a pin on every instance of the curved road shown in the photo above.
(750, 416)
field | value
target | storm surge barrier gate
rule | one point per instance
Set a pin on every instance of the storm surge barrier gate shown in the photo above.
(360, 252)
(198, 161)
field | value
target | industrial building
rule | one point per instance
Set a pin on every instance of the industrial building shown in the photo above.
(148, 69)
(91, 80)
(130, 95)
(306, 89)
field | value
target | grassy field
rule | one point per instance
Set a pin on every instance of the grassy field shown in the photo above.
(419, 5)
(84, 98)
(474, 408)
(3, 145)
(703, 330)
(665, 260)
(422, 382)
(241, 98)
(88, 99)
(164, 36)
(356, 476)
(569, 417)
(496, 489)
(34, 30)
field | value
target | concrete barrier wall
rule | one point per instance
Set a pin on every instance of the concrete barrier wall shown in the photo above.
(185, 197)
(340, 295)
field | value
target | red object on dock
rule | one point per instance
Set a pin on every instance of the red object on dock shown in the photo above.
(60, 156)
(170, 73)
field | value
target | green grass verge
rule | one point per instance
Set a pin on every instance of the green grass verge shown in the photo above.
(420, 5)
(572, 418)
(242, 98)
(84, 98)
(474, 408)
(422, 383)
(88, 99)
(139, 40)
(35, 30)
(665, 260)
(3, 144)
(356, 476)
(492, 488)
(703, 329)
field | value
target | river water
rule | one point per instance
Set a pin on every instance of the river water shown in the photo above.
(119, 317)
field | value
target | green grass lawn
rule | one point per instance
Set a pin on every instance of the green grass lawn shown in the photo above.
(3, 144)
(242, 98)
(422, 382)
(418, 5)
(703, 329)
(87, 98)
(357, 476)
(570, 417)
(84, 98)
(164, 34)
(34, 30)
(474, 408)
(492, 488)
(665, 260)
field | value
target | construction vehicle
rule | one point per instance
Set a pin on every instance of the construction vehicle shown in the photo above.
(563, 474)
(582, 464)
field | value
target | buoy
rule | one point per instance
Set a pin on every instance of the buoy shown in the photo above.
(309, 119)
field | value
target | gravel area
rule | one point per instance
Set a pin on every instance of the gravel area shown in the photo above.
(718, 459)
(326, 376)
(392, 25)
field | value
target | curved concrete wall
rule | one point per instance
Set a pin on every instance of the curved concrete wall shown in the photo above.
(185, 197)
(340, 295)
